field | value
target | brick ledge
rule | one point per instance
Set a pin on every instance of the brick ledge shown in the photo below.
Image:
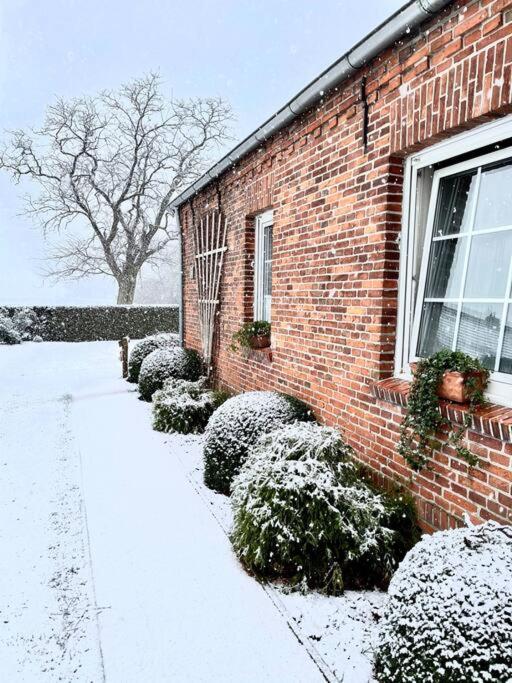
(259, 355)
(491, 420)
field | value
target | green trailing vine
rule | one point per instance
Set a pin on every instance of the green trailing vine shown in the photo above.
(242, 338)
(423, 419)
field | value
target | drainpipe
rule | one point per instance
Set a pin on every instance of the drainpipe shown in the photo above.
(182, 277)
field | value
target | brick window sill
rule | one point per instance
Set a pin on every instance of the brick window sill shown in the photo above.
(491, 420)
(263, 356)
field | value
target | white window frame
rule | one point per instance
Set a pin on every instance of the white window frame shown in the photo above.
(261, 302)
(417, 172)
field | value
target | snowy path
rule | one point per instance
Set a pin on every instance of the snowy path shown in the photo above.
(48, 627)
(164, 599)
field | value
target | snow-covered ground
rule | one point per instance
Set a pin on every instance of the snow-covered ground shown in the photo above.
(115, 559)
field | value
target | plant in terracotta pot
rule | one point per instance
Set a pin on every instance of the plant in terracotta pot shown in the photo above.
(252, 335)
(451, 375)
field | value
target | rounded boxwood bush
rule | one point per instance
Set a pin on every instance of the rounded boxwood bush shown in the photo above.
(237, 425)
(184, 407)
(165, 363)
(448, 618)
(144, 347)
(301, 512)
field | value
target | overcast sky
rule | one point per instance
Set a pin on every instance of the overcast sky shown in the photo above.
(255, 53)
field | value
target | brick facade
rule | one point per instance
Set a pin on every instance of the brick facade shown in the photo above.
(337, 219)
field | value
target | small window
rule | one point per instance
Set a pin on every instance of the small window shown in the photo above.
(263, 267)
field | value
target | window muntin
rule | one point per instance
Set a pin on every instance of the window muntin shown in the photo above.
(464, 292)
(263, 266)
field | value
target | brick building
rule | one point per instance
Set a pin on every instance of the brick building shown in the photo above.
(398, 156)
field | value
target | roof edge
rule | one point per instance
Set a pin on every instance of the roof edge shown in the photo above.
(407, 18)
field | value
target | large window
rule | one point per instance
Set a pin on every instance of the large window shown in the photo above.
(456, 261)
(263, 266)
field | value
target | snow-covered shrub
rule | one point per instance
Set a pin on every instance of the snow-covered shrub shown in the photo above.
(165, 363)
(237, 425)
(400, 516)
(301, 512)
(448, 618)
(144, 347)
(25, 322)
(8, 333)
(184, 407)
(304, 441)
(18, 327)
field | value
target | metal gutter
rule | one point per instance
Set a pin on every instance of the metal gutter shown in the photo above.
(403, 21)
(182, 280)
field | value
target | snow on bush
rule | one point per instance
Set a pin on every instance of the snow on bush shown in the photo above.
(25, 322)
(301, 512)
(184, 407)
(167, 363)
(8, 333)
(18, 327)
(237, 425)
(448, 618)
(144, 347)
(306, 440)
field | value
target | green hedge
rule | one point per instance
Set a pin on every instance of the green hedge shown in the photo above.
(101, 323)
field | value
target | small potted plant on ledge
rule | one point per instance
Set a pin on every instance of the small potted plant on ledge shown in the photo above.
(252, 335)
(449, 375)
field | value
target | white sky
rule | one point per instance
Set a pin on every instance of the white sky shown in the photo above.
(255, 53)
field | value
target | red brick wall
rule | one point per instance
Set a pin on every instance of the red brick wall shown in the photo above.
(337, 213)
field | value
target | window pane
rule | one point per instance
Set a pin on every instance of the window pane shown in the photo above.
(267, 305)
(445, 268)
(495, 198)
(267, 282)
(489, 260)
(506, 349)
(479, 330)
(267, 261)
(453, 204)
(437, 328)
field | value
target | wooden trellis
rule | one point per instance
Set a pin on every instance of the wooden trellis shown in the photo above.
(210, 245)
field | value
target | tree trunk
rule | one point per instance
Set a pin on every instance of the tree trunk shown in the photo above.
(126, 290)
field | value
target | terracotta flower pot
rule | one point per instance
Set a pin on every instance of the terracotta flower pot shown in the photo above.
(259, 341)
(453, 386)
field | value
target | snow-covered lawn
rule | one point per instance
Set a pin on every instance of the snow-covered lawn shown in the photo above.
(115, 559)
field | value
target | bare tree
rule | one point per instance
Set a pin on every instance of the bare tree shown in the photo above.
(107, 168)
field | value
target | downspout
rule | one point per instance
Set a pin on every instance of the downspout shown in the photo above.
(182, 278)
(366, 114)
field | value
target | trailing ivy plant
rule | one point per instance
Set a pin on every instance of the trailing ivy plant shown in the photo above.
(242, 338)
(423, 418)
